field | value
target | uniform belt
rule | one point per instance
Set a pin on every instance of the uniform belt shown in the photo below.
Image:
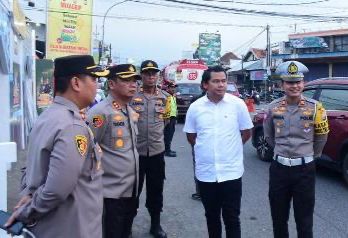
(293, 161)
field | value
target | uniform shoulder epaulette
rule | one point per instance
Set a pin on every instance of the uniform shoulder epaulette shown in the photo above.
(277, 101)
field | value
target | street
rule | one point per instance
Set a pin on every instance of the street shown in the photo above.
(184, 217)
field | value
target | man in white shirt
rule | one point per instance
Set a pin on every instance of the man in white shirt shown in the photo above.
(218, 125)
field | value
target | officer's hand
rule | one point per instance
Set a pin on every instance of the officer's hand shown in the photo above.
(24, 200)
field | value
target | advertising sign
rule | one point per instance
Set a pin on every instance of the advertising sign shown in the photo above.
(258, 75)
(209, 48)
(69, 28)
(309, 42)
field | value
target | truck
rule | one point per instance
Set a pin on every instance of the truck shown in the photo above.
(187, 74)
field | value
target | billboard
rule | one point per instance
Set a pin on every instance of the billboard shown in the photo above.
(209, 48)
(309, 42)
(69, 28)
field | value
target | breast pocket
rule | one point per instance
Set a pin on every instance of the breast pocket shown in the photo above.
(159, 113)
(120, 138)
(279, 127)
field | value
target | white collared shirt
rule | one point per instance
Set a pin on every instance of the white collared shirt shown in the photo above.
(219, 146)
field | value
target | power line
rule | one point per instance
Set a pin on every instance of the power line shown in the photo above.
(267, 4)
(163, 20)
(249, 42)
(258, 12)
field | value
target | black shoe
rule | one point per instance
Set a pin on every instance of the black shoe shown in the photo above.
(172, 151)
(158, 232)
(196, 196)
(170, 154)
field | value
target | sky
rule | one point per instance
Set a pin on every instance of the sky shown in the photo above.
(139, 30)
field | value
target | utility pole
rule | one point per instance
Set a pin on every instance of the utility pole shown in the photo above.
(268, 58)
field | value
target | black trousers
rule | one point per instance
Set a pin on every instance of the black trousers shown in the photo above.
(194, 170)
(296, 183)
(153, 169)
(225, 198)
(169, 130)
(118, 215)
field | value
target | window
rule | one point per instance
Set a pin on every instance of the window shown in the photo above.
(333, 99)
(194, 89)
(309, 93)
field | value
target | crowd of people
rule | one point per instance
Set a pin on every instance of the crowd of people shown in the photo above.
(86, 169)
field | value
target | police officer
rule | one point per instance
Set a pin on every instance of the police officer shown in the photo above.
(113, 123)
(149, 102)
(63, 182)
(170, 115)
(297, 128)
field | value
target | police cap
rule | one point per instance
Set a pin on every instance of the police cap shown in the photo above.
(149, 65)
(123, 71)
(291, 71)
(77, 64)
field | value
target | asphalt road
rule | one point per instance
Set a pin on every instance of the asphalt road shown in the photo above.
(183, 217)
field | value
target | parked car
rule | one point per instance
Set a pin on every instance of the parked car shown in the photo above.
(333, 93)
(186, 92)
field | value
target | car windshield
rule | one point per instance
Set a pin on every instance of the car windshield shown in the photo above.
(231, 88)
(193, 89)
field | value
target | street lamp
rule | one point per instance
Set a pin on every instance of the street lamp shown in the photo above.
(106, 13)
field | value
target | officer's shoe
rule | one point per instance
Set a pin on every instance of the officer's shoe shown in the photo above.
(158, 232)
(173, 151)
(170, 154)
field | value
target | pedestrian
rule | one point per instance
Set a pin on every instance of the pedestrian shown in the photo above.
(114, 125)
(297, 128)
(62, 194)
(149, 103)
(170, 115)
(218, 125)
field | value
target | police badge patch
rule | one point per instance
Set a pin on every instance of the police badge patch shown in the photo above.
(81, 144)
(97, 121)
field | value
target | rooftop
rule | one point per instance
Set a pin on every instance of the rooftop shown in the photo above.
(319, 33)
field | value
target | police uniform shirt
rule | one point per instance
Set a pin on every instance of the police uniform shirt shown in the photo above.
(296, 130)
(63, 175)
(116, 131)
(151, 123)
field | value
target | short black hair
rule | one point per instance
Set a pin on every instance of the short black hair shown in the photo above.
(61, 84)
(207, 73)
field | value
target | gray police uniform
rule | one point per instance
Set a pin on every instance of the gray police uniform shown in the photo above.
(63, 175)
(298, 134)
(116, 132)
(150, 146)
(293, 131)
(151, 122)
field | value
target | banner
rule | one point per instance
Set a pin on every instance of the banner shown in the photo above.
(209, 48)
(258, 75)
(69, 28)
(309, 42)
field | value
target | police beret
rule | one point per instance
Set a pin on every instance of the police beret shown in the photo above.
(123, 71)
(149, 65)
(77, 64)
(291, 71)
